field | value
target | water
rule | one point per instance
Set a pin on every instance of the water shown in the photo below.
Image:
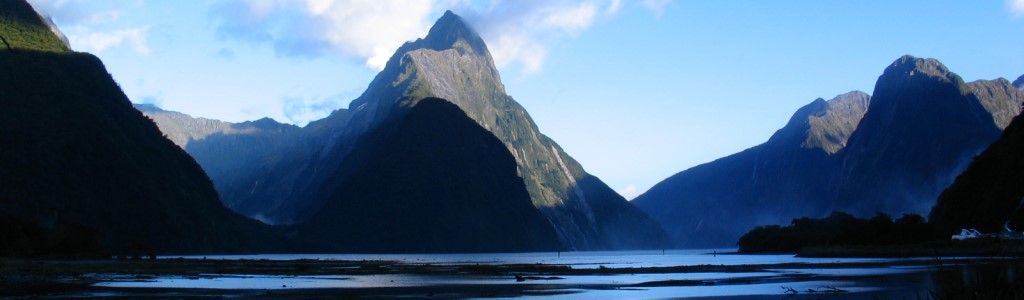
(587, 259)
(829, 278)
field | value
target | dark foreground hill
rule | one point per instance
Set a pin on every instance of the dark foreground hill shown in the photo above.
(990, 193)
(82, 171)
(430, 181)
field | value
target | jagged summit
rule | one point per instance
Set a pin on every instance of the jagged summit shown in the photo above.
(908, 66)
(448, 31)
(824, 124)
(451, 62)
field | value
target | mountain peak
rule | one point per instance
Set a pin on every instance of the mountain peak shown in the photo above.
(825, 124)
(909, 66)
(1019, 83)
(147, 107)
(448, 31)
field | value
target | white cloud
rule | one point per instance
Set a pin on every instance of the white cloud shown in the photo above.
(98, 41)
(511, 47)
(88, 24)
(517, 32)
(571, 18)
(613, 7)
(629, 192)
(79, 12)
(368, 30)
(657, 6)
(302, 110)
(1016, 7)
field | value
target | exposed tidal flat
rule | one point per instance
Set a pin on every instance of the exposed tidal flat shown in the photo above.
(717, 274)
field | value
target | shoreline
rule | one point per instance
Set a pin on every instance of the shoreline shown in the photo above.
(64, 278)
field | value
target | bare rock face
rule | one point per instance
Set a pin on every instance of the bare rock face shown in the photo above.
(833, 121)
(1000, 98)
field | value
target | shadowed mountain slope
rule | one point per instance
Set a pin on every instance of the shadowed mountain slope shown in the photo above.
(451, 62)
(713, 204)
(82, 171)
(894, 155)
(990, 192)
(431, 181)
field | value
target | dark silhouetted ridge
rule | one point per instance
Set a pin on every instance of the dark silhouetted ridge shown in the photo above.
(84, 173)
(433, 181)
(990, 193)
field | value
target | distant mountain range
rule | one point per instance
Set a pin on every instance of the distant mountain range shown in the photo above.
(282, 175)
(894, 152)
(84, 173)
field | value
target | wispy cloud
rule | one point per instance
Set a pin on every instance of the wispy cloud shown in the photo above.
(629, 192)
(368, 30)
(302, 110)
(1016, 7)
(87, 24)
(79, 12)
(96, 42)
(657, 6)
(517, 32)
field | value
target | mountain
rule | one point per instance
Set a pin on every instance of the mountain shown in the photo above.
(990, 192)
(922, 128)
(430, 181)
(83, 172)
(894, 155)
(453, 63)
(224, 149)
(711, 205)
(1019, 83)
(24, 30)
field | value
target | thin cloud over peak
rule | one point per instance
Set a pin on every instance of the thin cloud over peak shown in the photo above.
(368, 31)
(517, 32)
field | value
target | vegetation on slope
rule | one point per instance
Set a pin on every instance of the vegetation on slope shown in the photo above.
(21, 29)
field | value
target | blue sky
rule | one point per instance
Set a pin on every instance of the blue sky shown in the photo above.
(634, 90)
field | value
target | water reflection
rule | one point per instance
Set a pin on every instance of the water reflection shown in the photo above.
(769, 277)
(993, 280)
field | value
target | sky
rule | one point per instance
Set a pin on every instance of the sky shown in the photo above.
(635, 90)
